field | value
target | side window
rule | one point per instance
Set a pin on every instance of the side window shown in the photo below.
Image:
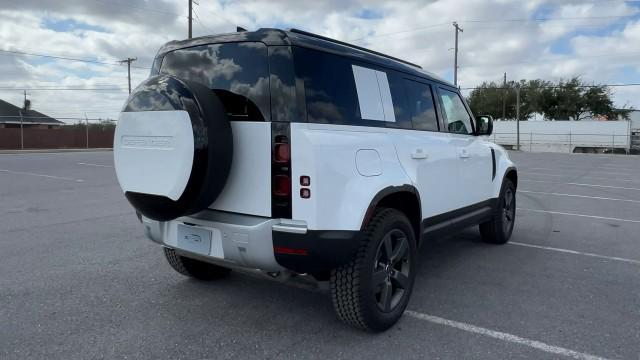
(374, 95)
(329, 87)
(457, 118)
(421, 106)
(399, 96)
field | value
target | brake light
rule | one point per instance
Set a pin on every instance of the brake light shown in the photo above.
(281, 185)
(281, 171)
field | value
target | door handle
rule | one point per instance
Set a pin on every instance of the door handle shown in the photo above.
(463, 153)
(419, 154)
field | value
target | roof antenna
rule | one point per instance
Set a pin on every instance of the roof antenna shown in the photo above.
(240, 29)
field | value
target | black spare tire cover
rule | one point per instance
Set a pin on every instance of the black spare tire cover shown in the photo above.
(213, 144)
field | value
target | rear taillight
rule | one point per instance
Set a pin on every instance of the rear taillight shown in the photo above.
(282, 153)
(281, 185)
(281, 171)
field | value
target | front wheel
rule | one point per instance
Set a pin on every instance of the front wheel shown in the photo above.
(372, 291)
(498, 230)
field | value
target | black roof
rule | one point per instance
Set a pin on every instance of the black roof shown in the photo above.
(10, 113)
(308, 40)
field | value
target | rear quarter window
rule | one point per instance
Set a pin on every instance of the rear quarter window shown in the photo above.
(329, 87)
(237, 72)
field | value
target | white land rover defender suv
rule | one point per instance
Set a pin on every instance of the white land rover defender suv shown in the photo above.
(292, 153)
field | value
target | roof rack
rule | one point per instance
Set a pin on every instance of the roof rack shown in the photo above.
(302, 32)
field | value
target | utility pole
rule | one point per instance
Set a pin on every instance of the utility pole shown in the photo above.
(87, 128)
(504, 98)
(21, 132)
(518, 117)
(128, 61)
(25, 107)
(190, 18)
(455, 59)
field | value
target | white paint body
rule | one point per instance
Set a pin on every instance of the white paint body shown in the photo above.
(248, 187)
(348, 167)
(446, 177)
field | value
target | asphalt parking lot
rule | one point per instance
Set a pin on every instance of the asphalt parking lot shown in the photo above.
(78, 280)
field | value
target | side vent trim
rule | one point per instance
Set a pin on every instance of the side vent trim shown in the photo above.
(493, 162)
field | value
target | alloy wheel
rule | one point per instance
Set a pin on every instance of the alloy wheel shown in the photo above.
(391, 270)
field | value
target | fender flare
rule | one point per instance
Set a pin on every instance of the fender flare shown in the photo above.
(389, 190)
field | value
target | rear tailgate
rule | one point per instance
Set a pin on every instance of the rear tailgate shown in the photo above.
(248, 188)
(238, 73)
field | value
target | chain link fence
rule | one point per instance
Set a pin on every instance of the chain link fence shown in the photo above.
(565, 142)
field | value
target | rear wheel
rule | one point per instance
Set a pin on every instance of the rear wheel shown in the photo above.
(498, 230)
(194, 268)
(372, 291)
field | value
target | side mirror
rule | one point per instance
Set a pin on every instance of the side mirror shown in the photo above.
(484, 125)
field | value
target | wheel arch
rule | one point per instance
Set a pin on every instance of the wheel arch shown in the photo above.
(512, 174)
(404, 198)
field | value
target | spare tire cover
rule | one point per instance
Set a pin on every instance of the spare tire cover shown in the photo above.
(172, 148)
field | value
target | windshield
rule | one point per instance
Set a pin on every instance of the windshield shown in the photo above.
(237, 72)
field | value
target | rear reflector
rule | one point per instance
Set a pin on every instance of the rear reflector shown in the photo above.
(281, 185)
(305, 193)
(289, 251)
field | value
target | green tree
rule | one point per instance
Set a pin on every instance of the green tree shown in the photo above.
(564, 100)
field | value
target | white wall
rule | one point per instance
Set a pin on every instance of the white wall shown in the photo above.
(563, 136)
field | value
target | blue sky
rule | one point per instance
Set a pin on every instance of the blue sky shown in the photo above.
(597, 40)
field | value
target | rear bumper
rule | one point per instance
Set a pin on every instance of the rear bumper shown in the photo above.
(261, 243)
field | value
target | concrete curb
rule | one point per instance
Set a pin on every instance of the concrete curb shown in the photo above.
(37, 151)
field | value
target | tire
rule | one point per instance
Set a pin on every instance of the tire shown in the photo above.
(212, 144)
(358, 288)
(194, 268)
(498, 230)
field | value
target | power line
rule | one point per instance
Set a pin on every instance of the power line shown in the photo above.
(550, 86)
(612, 55)
(54, 87)
(128, 61)
(400, 31)
(197, 18)
(128, 5)
(17, 52)
(550, 19)
(63, 89)
(496, 21)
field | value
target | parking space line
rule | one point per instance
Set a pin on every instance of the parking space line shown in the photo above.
(580, 184)
(503, 336)
(579, 196)
(40, 175)
(632, 261)
(98, 165)
(579, 169)
(574, 176)
(580, 215)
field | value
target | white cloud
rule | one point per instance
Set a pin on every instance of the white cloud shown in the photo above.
(603, 48)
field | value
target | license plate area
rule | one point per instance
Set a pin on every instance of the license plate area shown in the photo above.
(200, 240)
